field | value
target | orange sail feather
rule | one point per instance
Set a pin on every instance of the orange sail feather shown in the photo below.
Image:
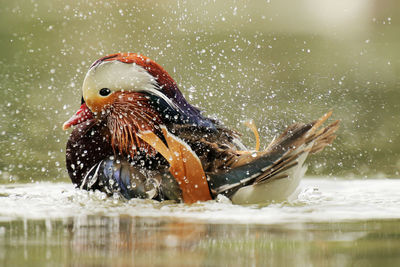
(185, 166)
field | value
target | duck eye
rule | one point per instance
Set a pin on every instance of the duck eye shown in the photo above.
(104, 92)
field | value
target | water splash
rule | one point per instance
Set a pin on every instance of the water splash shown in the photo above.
(319, 200)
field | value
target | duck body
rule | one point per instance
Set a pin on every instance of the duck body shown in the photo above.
(136, 135)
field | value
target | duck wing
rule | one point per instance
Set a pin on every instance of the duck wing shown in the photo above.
(250, 175)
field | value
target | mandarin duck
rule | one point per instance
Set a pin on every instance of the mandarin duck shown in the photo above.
(137, 136)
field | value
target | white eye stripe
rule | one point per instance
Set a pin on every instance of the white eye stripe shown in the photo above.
(118, 76)
(164, 97)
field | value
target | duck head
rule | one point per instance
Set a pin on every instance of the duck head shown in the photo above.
(129, 93)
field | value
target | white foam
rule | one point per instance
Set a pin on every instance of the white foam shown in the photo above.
(320, 200)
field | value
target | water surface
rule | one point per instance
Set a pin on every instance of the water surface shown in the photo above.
(334, 222)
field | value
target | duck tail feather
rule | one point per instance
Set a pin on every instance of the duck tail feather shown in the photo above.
(283, 154)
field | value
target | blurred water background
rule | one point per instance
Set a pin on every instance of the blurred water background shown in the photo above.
(273, 61)
(276, 62)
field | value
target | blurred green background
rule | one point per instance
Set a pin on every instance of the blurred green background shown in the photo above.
(273, 61)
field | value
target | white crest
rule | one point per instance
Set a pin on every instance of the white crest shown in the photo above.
(118, 76)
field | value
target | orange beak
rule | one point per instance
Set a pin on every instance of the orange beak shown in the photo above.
(82, 115)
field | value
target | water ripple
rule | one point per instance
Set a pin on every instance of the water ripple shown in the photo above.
(319, 200)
